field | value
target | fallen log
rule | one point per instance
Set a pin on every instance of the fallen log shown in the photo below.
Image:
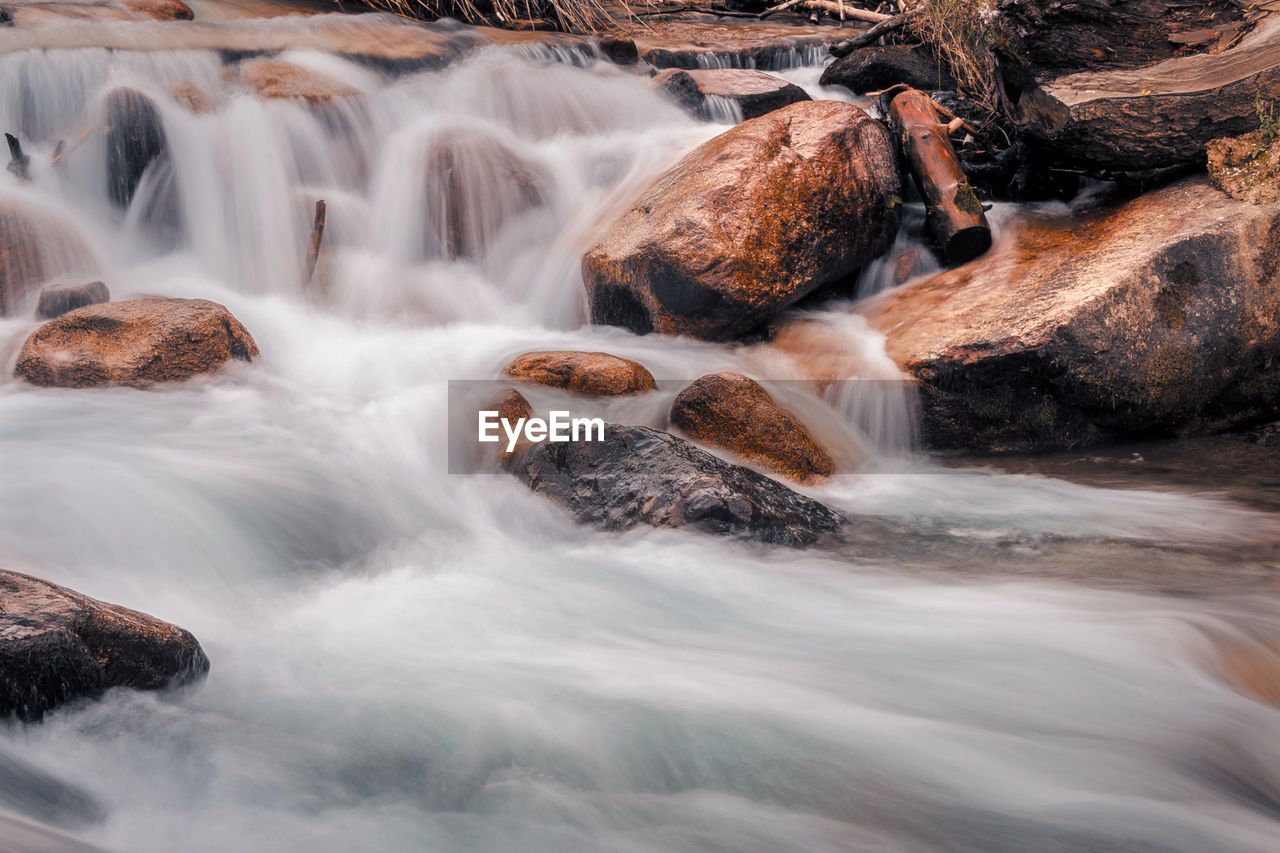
(313, 245)
(955, 218)
(844, 10)
(19, 162)
(1159, 116)
(871, 36)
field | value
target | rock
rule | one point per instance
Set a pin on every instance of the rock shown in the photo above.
(1248, 167)
(748, 223)
(511, 406)
(1156, 117)
(475, 185)
(161, 10)
(641, 475)
(21, 261)
(873, 69)
(135, 343)
(57, 645)
(732, 412)
(135, 140)
(1161, 317)
(594, 374)
(619, 51)
(56, 301)
(274, 78)
(714, 92)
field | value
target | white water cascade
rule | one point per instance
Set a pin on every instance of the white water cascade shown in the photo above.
(404, 659)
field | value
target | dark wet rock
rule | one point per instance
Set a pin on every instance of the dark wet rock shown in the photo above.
(57, 645)
(732, 412)
(594, 374)
(748, 223)
(639, 475)
(137, 343)
(754, 93)
(135, 140)
(873, 69)
(1158, 318)
(619, 51)
(58, 300)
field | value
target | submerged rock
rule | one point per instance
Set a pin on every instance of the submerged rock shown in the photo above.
(1161, 317)
(21, 262)
(161, 10)
(135, 140)
(594, 374)
(873, 69)
(753, 92)
(136, 343)
(57, 645)
(641, 475)
(275, 78)
(58, 300)
(748, 223)
(732, 412)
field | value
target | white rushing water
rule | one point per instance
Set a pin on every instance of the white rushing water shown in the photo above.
(405, 659)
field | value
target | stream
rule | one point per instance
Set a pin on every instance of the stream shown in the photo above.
(1009, 655)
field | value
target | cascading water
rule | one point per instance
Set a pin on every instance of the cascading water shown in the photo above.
(405, 659)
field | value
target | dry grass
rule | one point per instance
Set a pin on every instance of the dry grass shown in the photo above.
(586, 16)
(962, 33)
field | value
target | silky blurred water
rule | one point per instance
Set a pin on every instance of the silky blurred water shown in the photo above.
(405, 659)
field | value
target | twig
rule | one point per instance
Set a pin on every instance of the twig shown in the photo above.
(18, 162)
(897, 22)
(63, 150)
(313, 246)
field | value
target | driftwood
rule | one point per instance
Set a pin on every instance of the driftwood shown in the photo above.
(1158, 116)
(838, 8)
(955, 218)
(313, 245)
(19, 163)
(871, 36)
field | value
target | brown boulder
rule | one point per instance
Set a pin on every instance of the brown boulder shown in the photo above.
(732, 412)
(873, 69)
(1159, 317)
(161, 10)
(135, 343)
(511, 406)
(57, 645)
(748, 223)
(595, 374)
(275, 78)
(56, 301)
(717, 93)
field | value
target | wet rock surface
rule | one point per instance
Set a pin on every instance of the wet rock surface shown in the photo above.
(748, 223)
(21, 262)
(1161, 317)
(135, 140)
(59, 299)
(639, 475)
(706, 92)
(733, 412)
(873, 69)
(57, 645)
(590, 373)
(275, 78)
(138, 343)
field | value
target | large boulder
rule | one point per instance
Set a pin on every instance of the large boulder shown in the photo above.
(638, 475)
(135, 343)
(57, 645)
(732, 412)
(274, 78)
(594, 374)
(716, 93)
(135, 140)
(748, 223)
(1161, 317)
(873, 69)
